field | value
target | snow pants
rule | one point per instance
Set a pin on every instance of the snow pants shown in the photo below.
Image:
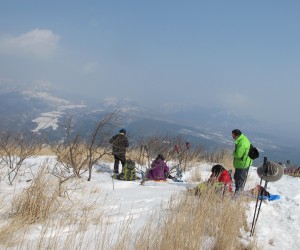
(240, 177)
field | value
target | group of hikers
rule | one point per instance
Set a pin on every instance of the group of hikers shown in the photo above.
(220, 177)
(158, 171)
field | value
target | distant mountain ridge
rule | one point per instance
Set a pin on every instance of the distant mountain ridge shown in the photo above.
(41, 109)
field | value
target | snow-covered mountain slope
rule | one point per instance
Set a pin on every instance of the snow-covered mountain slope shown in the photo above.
(40, 109)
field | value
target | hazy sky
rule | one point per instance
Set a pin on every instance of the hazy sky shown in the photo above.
(240, 55)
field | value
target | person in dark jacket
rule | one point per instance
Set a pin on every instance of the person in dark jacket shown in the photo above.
(119, 143)
(159, 169)
(241, 160)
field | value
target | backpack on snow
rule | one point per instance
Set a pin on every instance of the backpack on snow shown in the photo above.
(253, 152)
(128, 172)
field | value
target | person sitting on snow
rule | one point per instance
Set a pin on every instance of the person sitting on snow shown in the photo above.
(159, 169)
(219, 179)
(221, 175)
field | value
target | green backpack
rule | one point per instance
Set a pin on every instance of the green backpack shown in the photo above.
(128, 172)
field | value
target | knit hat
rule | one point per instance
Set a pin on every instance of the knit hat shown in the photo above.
(161, 157)
(123, 131)
(271, 171)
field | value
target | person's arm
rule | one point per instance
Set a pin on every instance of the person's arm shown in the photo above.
(212, 178)
(126, 142)
(112, 139)
(239, 151)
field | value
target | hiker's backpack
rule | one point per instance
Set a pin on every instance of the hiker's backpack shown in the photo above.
(128, 172)
(253, 152)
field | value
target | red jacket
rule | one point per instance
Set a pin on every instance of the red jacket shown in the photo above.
(224, 177)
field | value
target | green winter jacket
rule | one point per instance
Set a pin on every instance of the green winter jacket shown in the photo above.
(241, 159)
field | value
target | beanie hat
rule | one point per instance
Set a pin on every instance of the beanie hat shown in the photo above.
(123, 131)
(160, 156)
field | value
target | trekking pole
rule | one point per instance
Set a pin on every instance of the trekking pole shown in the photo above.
(147, 170)
(113, 183)
(261, 200)
(255, 216)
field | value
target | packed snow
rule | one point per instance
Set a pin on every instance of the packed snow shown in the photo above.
(277, 226)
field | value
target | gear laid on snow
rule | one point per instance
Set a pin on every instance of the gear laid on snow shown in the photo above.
(270, 171)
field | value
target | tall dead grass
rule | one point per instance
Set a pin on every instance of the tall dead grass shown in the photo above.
(221, 156)
(38, 201)
(34, 204)
(195, 175)
(208, 222)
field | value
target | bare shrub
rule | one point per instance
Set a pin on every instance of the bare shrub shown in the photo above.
(77, 155)
(15, 148)
(180, 151)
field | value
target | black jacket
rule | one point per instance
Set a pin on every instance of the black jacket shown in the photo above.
(120, 143)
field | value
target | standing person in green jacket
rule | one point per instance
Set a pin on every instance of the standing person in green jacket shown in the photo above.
(241, 161)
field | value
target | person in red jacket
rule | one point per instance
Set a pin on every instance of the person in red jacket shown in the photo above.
(219, 179)
(221, 175)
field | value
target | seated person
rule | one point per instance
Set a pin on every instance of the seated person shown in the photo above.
(219, 179)
(159, 169)
(220, 175)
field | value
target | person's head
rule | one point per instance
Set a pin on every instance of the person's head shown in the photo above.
(236, 133)
(217, 169)
(122, 131)
(160, 157)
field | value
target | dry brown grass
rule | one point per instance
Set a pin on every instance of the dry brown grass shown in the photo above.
(35, 203)
(208, 222)
(220, 156)
(47, 151)
(133, 154)
(65, 227)
(195, 175)
(38, 201)
(294, 174)
(188, 222)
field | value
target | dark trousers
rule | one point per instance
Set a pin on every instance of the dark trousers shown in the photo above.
(240, 177)
(118, 159)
